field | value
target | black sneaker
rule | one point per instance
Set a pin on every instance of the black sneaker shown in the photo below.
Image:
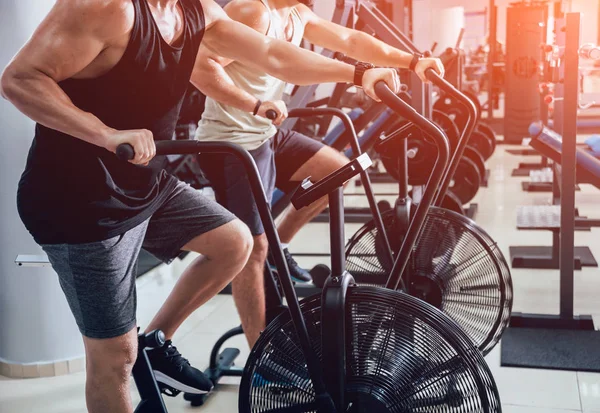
(298, 273)
(175, 372)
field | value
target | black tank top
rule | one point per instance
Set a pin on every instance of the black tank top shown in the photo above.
(76, 192)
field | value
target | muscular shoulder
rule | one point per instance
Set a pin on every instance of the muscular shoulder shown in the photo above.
(252, 13)
(105, 18)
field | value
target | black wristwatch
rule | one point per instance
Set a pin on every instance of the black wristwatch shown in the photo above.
(359, 72)
(414, 61)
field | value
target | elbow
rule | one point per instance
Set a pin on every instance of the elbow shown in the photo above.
(9, 83)
(278, 64)
(6, 83)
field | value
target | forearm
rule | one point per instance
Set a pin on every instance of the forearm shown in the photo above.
(364, 47)
(40, 98)
(302, 67)
(214, 82)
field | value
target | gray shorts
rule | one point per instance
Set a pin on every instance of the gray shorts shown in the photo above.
(98, 278)
(277, 161)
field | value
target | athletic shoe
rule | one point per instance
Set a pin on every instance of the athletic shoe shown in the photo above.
(173, 371)
(298, 273)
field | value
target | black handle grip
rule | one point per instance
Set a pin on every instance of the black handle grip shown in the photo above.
(271, 114)
(125, 152)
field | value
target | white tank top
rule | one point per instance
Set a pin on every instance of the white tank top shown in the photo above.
(225, 123)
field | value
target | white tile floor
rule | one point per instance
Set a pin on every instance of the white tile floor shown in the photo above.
(521, 390)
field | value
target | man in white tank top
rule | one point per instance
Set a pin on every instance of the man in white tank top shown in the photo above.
(238, 97)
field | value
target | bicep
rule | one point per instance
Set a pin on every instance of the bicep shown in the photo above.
(235, 41)
(62, 46)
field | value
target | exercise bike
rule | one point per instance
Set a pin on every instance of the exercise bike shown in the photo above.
(378, 349)
(455, 265)
(222, 361)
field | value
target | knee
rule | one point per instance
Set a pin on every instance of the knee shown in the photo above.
(111, 358)
(260, 249)
(335, 160)
(238, 244)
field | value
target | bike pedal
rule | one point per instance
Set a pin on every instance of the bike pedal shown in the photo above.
(168, 390)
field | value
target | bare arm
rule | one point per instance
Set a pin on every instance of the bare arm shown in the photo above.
(356, 44)
(234, 40)
(72, 35)
(209, 74)
(70, 38)
(359, 45)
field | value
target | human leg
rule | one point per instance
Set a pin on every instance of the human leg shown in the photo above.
(108, 365)
(98, 280)
(321, 164)
(232, 188)
(224, 252)
(249, 291)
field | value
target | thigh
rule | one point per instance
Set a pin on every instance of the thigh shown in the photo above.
(230, 182)
(98, 280)
(185, 215)
(297, 156)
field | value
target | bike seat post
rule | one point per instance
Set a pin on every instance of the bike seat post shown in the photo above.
(336, 234)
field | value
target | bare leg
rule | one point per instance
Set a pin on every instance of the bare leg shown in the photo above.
(108, 368)
(249, 292)
(319, 166)
(225, 251)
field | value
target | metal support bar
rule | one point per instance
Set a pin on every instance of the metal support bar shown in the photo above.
(569, 133)
(491, 57)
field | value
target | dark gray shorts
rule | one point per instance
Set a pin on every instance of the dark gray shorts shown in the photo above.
(98, 278)
(277, 161)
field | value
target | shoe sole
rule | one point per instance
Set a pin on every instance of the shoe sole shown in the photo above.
(161, 377)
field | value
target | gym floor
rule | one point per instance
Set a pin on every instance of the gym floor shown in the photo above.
(536, 291)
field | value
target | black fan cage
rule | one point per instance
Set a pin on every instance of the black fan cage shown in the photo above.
(402, 355)
(455, 266)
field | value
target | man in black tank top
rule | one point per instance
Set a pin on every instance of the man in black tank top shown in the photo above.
(99, 73)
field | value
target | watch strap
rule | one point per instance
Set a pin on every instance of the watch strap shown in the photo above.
(414, 61)
(359, 72)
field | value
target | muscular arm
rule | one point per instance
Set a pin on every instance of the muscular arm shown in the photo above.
(71, 37)
(354, 43)
(234, 40)
(209, 74)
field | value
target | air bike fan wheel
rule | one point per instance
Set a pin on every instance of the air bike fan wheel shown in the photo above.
(455, 266)
(403, 355)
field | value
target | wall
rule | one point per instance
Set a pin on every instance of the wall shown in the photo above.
(35, 322)
(425, 8)
(589, 23)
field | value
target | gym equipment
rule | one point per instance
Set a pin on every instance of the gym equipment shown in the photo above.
(526, 30)
(373, 349)
(567, 336)
(549, 144)
(432, 362)
(455, 265)
(483, 138)
(221, 363)
(149, 390)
